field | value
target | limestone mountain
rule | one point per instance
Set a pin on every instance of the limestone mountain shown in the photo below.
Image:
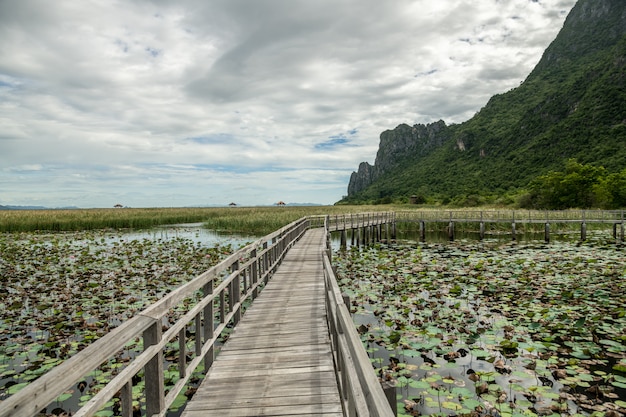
(572, 105)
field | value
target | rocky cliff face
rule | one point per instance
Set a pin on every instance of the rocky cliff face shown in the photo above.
(591, 26)
(570, 106)
(396, 146)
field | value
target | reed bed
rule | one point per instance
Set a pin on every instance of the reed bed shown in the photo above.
(254, 220)
(263, 220)
(93, 219)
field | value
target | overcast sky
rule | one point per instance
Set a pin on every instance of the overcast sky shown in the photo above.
(206, 102)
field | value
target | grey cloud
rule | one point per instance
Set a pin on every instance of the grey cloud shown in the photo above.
(136, 86)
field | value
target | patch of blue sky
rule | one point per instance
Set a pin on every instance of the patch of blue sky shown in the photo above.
(7, 81)
(153, 51)
(337, 140)
(233, 169)
(122, 45)
(211, 139)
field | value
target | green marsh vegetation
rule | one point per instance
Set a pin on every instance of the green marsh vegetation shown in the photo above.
(254, 220)
(493, 328)
(62, 291)
(70, 276)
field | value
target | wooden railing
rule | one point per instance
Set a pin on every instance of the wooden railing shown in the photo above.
(564, 218)
(360, 220)
(359, 387)
(507, 216)
(224, 287)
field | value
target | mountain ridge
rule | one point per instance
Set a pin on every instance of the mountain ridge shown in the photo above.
(571, 106)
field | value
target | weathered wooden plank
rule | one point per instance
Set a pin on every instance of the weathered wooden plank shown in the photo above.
(269, 372)
(277, 410)
(322, 348)
(278, 360)
(264, 387)
(254, 413)
(276, 363)
(268, 401)
(259, 387)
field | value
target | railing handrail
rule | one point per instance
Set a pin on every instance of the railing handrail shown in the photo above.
(360, 389)
(357, 220)
(519, 216)
(263, 256)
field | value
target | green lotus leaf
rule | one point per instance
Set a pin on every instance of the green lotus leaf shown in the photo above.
(620, 366)
(64, 397)
(585, 377)
(451, 405)
(418, 384)
(180, 401)
(580, 354)
(479, 353)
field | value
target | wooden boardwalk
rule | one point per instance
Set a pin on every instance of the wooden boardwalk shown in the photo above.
(278, 360)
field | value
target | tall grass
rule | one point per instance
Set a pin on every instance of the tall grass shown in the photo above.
(90, 219)
(259, 220)
(255, 220)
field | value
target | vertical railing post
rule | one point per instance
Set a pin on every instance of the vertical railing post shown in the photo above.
(198, 343)
(265, 261)
(182, 353)
(583, 228)
(482, 226)
(126, 397)
(451, 228)
(234, 292)
(254, 272)
(208, 325)
(154, 379)
(513, 231)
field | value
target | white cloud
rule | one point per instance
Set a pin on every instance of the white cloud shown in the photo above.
(206, 102)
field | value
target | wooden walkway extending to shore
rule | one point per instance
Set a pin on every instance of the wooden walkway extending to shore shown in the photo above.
(295, 351)
(278, 360)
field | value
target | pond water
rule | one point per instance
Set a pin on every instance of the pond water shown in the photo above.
(494, 327)
(49, 309)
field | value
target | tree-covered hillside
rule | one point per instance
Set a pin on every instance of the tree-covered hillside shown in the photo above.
(572, 106)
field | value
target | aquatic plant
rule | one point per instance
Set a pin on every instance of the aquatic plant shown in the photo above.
(476, 328)
(60, 292)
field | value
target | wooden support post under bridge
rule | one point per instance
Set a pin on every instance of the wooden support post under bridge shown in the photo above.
(513, 231)
(583, 231)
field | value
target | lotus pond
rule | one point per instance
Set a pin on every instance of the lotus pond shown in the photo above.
(494, 328)
(62, 291)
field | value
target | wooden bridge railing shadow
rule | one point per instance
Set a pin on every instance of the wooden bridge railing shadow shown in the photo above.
(219, 294)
